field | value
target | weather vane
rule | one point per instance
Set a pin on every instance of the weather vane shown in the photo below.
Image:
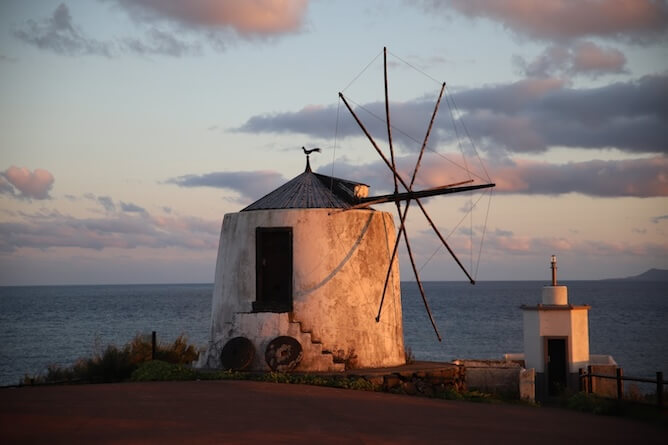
(308, 153)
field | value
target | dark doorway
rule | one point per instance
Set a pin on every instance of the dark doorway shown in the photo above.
(273, 269)
(556, 365)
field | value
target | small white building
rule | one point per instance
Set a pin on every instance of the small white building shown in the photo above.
(556, 339)
(299, 279)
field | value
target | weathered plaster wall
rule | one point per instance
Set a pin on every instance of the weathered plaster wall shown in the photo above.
(579, 339)
(339, 264)
(533, 343)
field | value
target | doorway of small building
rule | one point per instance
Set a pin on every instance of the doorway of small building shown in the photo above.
(273, 269)
(557, 365)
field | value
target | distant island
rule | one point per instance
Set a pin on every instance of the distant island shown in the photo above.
(650, 275)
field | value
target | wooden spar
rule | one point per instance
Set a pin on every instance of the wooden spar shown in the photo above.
(387, 121)
(381, 199)
(403, 183)
(438, 233)
(442, 190)
(419, 282)
(402, 217)
(378, 150)
(426, 137)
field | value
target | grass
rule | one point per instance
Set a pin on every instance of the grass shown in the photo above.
(634, 409)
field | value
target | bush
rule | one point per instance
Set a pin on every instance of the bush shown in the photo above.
(157, 370)
(115, 364)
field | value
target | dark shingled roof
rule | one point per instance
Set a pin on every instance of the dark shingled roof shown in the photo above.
(309, 191)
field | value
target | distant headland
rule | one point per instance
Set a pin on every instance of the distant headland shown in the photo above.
(649, 275)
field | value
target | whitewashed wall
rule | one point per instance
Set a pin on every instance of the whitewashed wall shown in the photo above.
(339, 264)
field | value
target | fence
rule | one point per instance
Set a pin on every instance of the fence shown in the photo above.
(586, 382)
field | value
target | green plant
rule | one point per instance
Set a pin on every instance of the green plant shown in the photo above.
(114, 364)
(157, 370)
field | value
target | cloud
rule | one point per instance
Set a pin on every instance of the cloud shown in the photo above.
(107, 203)
(58, 34)
(159, 42)
(530, 115)
(527, 245)
(131, 208)
(637, 177)
(7, 59)
(658, 219)
(634, 178)
(639, 21)
(116, 230)
(247, 18)
(585, 58)
(30, 185)
(250, 185)
(170, 27)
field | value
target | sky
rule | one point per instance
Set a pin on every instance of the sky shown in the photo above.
(129, 128)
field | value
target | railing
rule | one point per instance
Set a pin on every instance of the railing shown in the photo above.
(586, 382)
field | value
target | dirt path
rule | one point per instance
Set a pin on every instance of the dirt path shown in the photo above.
(251, 412)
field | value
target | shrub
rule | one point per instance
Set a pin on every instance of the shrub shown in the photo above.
(157, 370)
(115, 364)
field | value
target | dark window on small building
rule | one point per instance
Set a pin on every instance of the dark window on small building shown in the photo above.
(273, 269)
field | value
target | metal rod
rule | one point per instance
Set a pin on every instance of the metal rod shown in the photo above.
(659, 389)
(589, 380)
(620, 384)
(153, 345)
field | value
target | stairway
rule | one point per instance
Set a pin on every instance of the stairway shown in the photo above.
(315, 357)
(262, 327)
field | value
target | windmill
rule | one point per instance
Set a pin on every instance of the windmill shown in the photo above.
(409, 195)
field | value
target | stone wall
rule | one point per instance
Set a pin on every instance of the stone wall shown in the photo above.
(421, 378)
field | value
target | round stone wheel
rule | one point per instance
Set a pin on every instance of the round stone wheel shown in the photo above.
(283, 354)
(237, 354)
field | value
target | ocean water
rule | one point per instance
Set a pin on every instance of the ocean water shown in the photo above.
(42, 325)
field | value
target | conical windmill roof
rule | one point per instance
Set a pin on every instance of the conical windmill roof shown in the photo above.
(312, 191)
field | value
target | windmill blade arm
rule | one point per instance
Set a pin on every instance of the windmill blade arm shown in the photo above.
(442, 190)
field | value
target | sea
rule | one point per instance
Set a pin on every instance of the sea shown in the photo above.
(44, 325)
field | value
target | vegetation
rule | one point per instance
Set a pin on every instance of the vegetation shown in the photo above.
(592, 403)
(114, 364)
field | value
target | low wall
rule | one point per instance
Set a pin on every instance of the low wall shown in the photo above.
(500, 377)
(418, 378)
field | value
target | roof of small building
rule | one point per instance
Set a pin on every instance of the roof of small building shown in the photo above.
(311, 191)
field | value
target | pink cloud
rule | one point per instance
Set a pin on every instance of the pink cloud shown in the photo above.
(644, 177)
(585, 58)
(32, 185)
(589, 57)
(567, 19)
(504, 242)
(114, 230)
(246, 17)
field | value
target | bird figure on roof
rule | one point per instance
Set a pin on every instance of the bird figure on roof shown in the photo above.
(308, 152)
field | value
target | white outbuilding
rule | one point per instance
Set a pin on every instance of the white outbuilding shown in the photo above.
(556, 338)
(298, 281)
